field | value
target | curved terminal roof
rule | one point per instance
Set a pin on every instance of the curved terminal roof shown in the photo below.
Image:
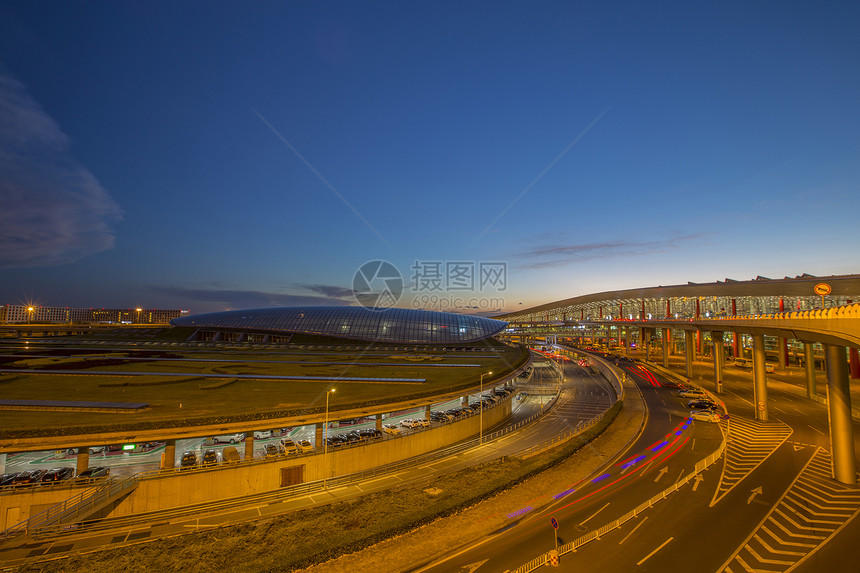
(398, 325)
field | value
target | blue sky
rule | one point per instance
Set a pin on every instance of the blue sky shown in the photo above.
(214, 156)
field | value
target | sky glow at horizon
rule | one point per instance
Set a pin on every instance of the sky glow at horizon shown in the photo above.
(163, 156)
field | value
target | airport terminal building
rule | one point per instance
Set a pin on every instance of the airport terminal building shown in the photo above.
(358, 323)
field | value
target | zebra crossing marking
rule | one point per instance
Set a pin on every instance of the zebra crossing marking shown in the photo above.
(748, 445)
(812, 510)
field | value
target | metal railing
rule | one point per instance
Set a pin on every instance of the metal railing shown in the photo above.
(49, 523)
(700, 466)
(72, 509)
(58, 520)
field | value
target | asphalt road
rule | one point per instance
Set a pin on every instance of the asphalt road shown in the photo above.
(666, 449)
(769, 505)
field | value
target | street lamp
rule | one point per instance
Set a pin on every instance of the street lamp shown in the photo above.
(481, 429)
(30, 310)
(138, 314)
(325, 438)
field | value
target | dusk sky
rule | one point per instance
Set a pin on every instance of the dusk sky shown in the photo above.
(218, 155)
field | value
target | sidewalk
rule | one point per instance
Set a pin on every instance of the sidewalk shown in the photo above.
(448, 534)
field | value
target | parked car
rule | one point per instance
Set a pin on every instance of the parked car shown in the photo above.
(230, 455)
(334, 442)
(230, 438)
(349, 438)
(391, 429)
(57, 474)
(304, 446)
(289, 447)
(702, 404)
(423, 422)
(271, 451)
(409, 423)
(7, 479)
(93, 473)
(210, 458)
(743, 363)
(262, 434)
(370, 433)
(188, 460)
(705, 415)
(28, 477)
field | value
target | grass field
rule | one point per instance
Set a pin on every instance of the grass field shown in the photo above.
(192, 398)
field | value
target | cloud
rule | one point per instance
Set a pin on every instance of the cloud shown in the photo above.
(560, 255)
(329, 290)
(228, 298)
(53, 211)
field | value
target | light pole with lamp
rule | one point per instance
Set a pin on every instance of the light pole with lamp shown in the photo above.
(325, 438)
(30, 310)
(481, 422)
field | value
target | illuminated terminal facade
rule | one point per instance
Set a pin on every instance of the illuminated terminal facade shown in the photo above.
(605, 316)
(389, 325)
(721, 298)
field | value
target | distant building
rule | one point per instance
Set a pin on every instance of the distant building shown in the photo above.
(22, 314)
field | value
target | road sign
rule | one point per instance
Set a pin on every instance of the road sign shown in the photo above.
(554, 522)
(822, 288)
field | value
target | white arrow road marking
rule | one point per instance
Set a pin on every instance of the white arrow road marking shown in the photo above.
(663, 472)
(754, 492)
(796, 447)
(698, 479)
(472, 566)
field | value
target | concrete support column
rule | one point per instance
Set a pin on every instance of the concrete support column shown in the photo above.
(464, 401)
(83, 461)
(782, 352)
(839, 403)
(854, 363)
(169, 454)
(719, 357)
(646, 339)
(428, 409)
(688, 352)
(667, 344)
(379, 422)
(736, 345)
(626, 340)
(318, 435)
(2, 464)
(759, 378)
(249, 445)
(809, 358)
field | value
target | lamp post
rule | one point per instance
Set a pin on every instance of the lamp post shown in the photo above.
(30, 314)
(138, 314)
(481, 422)
(325, 439)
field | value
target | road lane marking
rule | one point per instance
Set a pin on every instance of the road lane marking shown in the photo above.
(815, 430)
(644, 559)
(633, 530)
(595, 513)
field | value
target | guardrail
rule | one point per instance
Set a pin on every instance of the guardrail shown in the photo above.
(700, 466)
(543, 559)
(40, 526)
